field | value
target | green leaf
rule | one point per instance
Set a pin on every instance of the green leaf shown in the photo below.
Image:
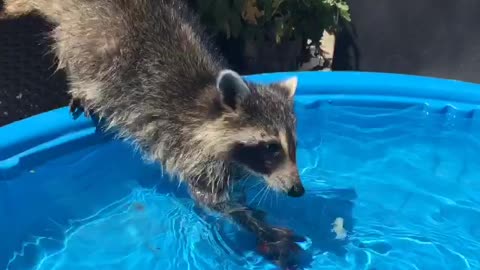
(299, 18)
(344, 11)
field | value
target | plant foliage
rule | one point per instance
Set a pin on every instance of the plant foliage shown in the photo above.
(280, 20)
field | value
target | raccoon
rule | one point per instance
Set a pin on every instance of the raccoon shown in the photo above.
(146, 68)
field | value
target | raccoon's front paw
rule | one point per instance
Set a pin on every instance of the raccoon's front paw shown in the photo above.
(281, 246)
(77, 107)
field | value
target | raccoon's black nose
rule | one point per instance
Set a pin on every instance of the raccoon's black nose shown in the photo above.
(296, 191)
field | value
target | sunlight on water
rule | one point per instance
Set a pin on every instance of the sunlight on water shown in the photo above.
(405, 183)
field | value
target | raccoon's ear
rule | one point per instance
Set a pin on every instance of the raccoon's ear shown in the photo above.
(232, 87)
(290, 85)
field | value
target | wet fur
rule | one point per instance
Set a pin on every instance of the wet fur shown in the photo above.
(145, 67)
(142, 67)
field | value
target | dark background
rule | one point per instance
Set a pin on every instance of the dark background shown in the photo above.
(28, 82)
(429, 37)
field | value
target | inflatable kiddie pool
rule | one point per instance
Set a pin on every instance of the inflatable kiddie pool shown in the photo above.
(390, 163)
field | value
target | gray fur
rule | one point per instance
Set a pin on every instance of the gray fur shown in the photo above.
(146, 68)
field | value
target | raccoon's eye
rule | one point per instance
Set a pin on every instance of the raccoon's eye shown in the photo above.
(273, 148)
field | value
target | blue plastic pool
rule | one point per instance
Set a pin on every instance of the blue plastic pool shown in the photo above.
(396, 157)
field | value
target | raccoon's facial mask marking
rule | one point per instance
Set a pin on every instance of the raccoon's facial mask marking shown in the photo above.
(286, 177)
(262, 158)
(257, 130)
(274, 161)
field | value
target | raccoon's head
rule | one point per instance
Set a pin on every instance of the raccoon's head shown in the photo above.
(257, 130)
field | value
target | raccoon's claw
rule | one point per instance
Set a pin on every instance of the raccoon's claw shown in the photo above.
(77, 106)
(280, 246)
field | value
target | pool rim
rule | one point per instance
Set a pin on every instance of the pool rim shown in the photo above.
(55, 129)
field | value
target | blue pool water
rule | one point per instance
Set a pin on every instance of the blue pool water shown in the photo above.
(405, 179)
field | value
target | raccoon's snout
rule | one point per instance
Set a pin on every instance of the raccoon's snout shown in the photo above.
(289, 183)
(296, 190)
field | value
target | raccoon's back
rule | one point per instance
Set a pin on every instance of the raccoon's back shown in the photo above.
(122, 40)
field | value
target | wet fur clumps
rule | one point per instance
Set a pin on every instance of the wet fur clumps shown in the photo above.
(146, 69)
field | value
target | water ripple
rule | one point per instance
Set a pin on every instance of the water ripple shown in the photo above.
(405, 182)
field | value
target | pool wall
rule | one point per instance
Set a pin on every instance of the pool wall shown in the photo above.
(31, 141)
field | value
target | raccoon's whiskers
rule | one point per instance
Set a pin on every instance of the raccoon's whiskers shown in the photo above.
(243, 180)
(265, 196)
(255, 185)
(258, 193)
